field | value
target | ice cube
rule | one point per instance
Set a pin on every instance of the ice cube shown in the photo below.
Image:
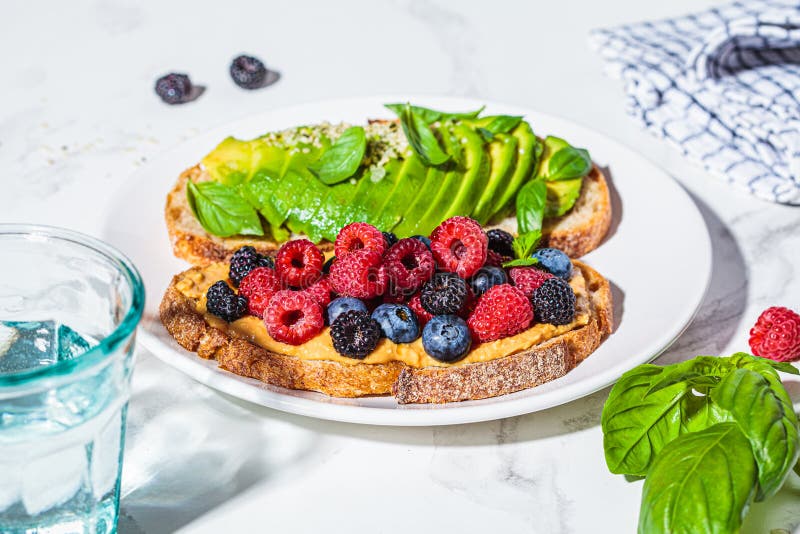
(8, 336)
(105, 457)
(10, 474)
(34, 346)
(71, 343)
(53, 479)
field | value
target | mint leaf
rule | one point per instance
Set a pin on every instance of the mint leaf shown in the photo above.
(221, 211)
(342, 159)
(525, 243)
(701, 482)
(421, 138)
(521, 262)
(531, 205)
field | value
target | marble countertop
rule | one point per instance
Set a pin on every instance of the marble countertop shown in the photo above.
(79, 116)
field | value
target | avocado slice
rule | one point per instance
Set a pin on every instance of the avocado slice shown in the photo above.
(230, 162)
(336, 209)
(400, 195)
(476, 172)
(528, 151)
(503, 156)
(439, 202)
(420, 202)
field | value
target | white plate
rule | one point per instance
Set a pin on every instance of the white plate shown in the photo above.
(657, 257)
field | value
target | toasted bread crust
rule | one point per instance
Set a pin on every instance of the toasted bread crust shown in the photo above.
(574, 233)
(540, 364)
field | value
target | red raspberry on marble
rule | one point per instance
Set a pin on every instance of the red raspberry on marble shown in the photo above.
(459, 245)
(259, 285)
(422, 314)
(776, 335)
(502, 311)
(408, 264)
(358, 274)
(320, 291)
(357, 236)
(299, 263)
(528, 279)
(293, 317)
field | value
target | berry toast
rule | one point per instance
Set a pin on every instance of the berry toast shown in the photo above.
(425, 323)
(310, 180)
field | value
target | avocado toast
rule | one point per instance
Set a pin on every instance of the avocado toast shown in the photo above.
(401, 175)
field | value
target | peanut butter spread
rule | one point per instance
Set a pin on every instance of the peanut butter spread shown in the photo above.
(195, 283)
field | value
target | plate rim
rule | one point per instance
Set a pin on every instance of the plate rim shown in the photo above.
(412, 415)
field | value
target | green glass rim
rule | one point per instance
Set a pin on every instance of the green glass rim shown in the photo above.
(108, 344)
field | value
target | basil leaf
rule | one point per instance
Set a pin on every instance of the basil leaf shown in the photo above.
(421, 138)
(699, 371)
(745, 360)
(561, 196)
(530, 206)
(525, 243)
(342, 159)
(501, 123)
(221, 211)
(700, 483)
(431, 115)
(486, 134)
(562, 161)
(639, 420)
(765, 415)
(521, 262)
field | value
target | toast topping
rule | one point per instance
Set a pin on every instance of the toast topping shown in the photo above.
(195, 282)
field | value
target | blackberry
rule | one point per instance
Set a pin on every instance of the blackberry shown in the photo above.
(443, 294)
(326, 267)
(355, 334)
(390, 239)
(245, 260)
(224, 303)
(248, 72)
(554, 302)
(501, 242)
(174, 88)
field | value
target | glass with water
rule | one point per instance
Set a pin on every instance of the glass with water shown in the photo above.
(69, 306)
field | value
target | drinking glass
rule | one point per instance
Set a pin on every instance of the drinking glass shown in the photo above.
(69, 306)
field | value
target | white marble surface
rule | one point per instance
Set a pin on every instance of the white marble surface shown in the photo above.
(78, 115)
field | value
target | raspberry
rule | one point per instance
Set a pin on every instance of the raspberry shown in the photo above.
(776, 335)
(299, 263)
(245, 260)
(358, 274)
(224, 303)
(493, 259)
(459, 245)
(355, 334)
(554, 302)
(501, 242)
(444, 294)
(408, 264)
(528, 279)
(356, 236)
(258, 287)
(320, 291)
(423, 316)
(502, 311)
(293, 317)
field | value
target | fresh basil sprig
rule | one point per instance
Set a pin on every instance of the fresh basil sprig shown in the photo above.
(531, 200)
(421, 138)
(498, 124)
(684, 426)
(342, 159)
(562, 161)
(221, 211)
(429, 116)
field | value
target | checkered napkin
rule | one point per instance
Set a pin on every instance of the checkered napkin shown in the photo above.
(723, 86)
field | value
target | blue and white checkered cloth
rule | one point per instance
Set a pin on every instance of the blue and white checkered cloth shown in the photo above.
(723, 86)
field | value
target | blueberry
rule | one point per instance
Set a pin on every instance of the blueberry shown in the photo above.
(487, 277)
(446, 338)
(342, 304)
(554, 261)
(390, 239)
(248, 72)
(174, 88)
(423, 239)
(398, 322)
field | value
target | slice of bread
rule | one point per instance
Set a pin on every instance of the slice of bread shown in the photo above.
(541, 363)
